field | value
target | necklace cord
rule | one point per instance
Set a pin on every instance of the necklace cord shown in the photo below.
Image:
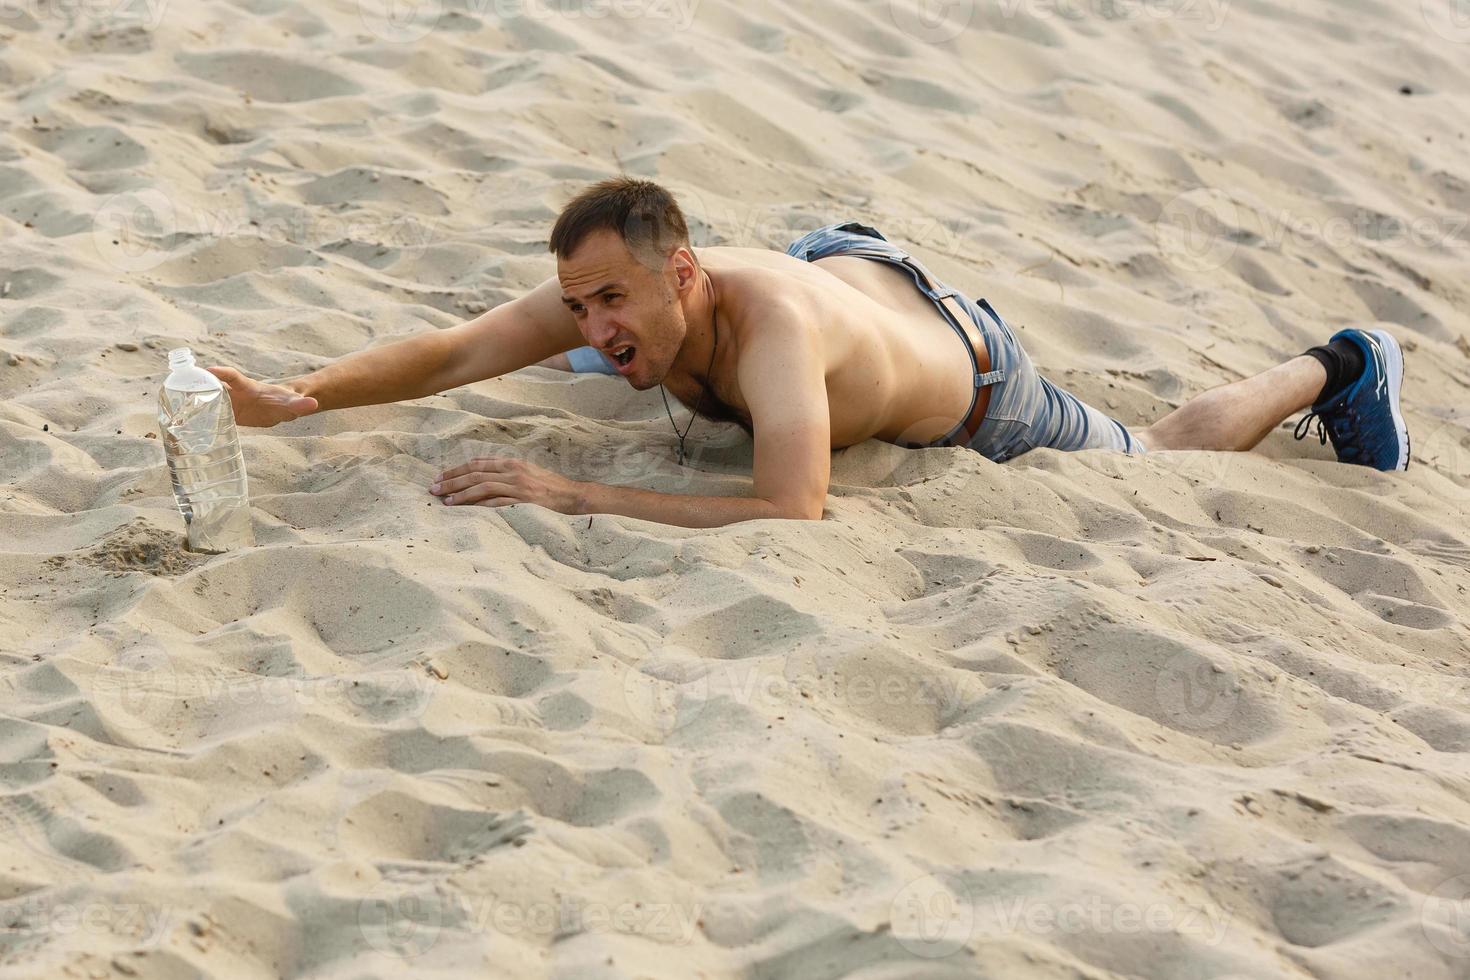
(700, 404)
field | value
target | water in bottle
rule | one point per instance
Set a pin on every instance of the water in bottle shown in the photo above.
(198, 429)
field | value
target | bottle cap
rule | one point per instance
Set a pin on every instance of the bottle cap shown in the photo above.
(180, 356)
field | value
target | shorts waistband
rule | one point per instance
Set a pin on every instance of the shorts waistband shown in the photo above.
(855, 238)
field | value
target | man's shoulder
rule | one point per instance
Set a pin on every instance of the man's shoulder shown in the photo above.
(770, 306)
(756, 286)
(734, 260)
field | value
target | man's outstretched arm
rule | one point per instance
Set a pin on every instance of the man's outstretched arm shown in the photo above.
(783, 378)
(511, 336)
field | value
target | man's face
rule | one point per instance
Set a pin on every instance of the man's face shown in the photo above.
(625, 308)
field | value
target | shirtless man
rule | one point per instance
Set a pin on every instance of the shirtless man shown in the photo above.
(845, 337)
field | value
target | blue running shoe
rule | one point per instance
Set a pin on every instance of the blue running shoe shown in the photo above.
(1363, 420)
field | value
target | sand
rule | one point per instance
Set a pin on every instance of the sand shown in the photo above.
(1178, 716)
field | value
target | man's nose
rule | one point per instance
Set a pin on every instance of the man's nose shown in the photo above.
(600, 330)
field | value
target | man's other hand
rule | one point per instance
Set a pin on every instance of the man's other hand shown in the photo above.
(494, 481)
(260, 404)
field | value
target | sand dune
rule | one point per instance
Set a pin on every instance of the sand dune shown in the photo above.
(1184, 715)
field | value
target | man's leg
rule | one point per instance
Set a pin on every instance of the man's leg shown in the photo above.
(1239, 415)
(1351, 383)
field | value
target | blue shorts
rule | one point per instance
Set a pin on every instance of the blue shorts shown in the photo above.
(1026, 411)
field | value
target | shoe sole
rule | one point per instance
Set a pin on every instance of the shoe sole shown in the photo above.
(1393, 359)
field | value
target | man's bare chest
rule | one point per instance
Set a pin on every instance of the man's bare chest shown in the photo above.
(714, 399)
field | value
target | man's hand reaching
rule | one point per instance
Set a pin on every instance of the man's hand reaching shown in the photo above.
(494, 481)
(260, 404)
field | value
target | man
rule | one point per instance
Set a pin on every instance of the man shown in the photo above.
(845, 337)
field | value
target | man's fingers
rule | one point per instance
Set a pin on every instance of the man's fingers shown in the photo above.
(228, 375)
(463, 470)
(290, 401)
(479, 492)
(483, 464)
(275, 396)
(456, 484)
(450, 474)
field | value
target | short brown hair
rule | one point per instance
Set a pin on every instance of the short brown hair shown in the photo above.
(643, 214)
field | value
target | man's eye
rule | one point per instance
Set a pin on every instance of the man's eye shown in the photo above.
(578, 308)
(610, 297)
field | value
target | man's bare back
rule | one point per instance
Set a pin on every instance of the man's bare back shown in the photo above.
(894, 368)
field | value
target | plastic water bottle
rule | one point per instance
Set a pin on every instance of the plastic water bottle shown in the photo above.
(198, 429)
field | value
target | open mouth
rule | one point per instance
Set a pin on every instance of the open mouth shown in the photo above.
(623, 356)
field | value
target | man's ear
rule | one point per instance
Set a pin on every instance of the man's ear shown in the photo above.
(685, 269)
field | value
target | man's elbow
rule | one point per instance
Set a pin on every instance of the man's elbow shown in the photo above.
(799, 510)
